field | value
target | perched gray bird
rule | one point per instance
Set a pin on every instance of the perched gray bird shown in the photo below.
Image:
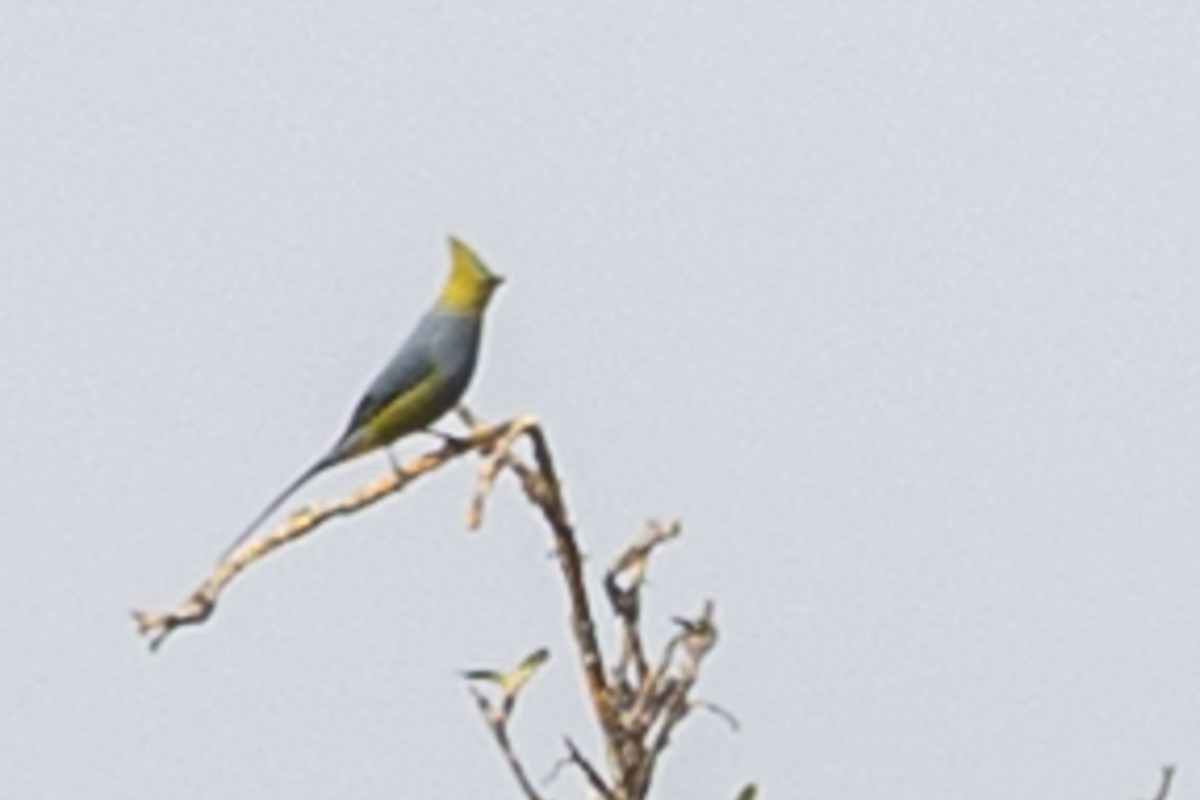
(424, 380)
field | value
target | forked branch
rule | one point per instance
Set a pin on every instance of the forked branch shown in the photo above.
(637, 706)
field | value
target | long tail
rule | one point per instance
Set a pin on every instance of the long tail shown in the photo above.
(321, 465)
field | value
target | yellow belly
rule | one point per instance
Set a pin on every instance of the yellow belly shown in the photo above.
(414, 410)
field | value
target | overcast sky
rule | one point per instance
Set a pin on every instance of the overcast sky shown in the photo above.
(893, 305)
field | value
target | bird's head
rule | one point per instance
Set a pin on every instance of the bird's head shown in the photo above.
(471, 283)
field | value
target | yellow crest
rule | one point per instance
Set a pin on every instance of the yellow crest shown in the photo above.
(471, 283)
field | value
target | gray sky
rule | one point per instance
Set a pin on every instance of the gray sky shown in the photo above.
(895, 309)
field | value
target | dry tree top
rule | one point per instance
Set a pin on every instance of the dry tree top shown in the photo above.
(637, 700)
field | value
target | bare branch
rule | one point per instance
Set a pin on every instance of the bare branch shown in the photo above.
(499, 455)
(647, 703)
(637, 717)
(637, 556)
(1164, 789)
(597, 782)
(699, 635)
(677, 707)
(720, 711)
(637, 708)
(543, 488)
(198, 607)
(626, 599)
(664, 700)
(497, 721)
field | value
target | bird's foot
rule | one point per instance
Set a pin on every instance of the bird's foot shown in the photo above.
(397, 469)
(457, 443)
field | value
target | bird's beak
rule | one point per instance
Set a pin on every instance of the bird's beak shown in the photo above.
(497, 280)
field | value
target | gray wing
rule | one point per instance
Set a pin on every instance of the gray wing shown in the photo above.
(409, 366)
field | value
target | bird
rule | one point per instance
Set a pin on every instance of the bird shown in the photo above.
(514, 680)
(425, 378)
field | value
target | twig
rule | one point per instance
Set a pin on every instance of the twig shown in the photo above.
(699, 636)
(636, 557)
(720, 711)
(499, 454)
(556, 770)
(541, 485)
(626, 600)
(665, 701)
(198, 607)
(645, 706)
(497, 722)
(1164, 789)
(588, 770)
(676, 706)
